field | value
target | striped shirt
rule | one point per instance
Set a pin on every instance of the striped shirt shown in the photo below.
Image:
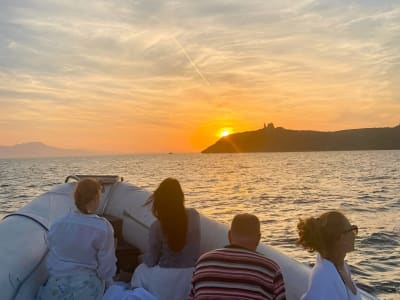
(236, 273)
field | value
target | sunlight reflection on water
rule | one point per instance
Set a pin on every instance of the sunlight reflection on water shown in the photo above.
(279, 187)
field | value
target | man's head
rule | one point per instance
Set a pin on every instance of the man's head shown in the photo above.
(245, 231)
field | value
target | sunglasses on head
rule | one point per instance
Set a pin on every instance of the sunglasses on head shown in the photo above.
(353, 228)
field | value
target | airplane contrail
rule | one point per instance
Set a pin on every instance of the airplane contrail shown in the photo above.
(191, 61)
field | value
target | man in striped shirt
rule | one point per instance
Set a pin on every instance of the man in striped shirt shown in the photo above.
(238, 271)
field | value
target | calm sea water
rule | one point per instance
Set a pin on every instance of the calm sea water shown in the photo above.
(278, 187)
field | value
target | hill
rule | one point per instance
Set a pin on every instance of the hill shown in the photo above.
(272, 139)
(38, 149)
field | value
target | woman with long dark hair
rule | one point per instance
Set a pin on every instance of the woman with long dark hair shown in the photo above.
(332, 236)
(174, 244)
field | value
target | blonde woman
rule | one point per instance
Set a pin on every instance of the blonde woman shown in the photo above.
(81, 256)
(332, 236)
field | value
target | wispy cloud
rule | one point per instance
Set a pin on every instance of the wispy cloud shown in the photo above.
(175, 66)
(191, 61)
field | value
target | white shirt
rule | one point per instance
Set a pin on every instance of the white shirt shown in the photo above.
(81, 243)
(326, 283)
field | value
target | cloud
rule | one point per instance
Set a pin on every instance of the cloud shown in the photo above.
(161, 64)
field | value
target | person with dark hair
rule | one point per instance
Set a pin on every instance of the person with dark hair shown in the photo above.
(81, 259)
(238, 271)
(174, 245)
(332, 236)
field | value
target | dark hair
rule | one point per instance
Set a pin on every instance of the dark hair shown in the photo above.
(169, 209)
(85, 191)
(320, 234)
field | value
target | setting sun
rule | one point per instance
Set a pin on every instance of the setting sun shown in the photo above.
(224, 132)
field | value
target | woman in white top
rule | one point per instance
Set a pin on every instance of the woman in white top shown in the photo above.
(81, 257)
(332, 236)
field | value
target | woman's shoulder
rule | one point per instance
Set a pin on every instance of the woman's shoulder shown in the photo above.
(193, 223)
(81, 220)
(193, 217)
(323, 270)
(103, 222)
(95, 221)
(156, 225)
(192, 212)
(63, 219)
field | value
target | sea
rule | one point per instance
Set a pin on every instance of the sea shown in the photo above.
(279, 188)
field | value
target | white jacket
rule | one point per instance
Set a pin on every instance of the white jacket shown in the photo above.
(326, 284)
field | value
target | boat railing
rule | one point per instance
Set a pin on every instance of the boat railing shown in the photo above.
(103, 179)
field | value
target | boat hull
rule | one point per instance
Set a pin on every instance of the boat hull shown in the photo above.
(23, 255)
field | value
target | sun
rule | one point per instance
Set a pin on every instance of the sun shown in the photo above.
(223, 132)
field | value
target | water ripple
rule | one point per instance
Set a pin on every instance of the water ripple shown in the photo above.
(279, 187)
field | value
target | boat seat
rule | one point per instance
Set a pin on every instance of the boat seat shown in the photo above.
(128, 255)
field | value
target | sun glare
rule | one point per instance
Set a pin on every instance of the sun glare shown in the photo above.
(224, 132)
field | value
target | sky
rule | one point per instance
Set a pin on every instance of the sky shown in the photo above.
(170, 76)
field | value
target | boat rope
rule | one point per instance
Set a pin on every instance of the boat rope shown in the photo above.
(109, 197)
(127, 214)
(45, 227)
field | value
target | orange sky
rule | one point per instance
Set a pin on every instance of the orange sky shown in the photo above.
(167, 77)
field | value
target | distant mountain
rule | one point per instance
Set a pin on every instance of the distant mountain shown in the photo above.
(271, 139)
(38, 149)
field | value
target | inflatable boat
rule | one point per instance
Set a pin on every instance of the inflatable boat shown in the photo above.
(23, 248)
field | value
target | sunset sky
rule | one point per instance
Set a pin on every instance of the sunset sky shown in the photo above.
(170, 76)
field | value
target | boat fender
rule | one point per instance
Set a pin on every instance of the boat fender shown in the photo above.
(17, 283)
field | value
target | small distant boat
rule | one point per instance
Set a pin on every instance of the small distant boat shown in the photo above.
(23, 249)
